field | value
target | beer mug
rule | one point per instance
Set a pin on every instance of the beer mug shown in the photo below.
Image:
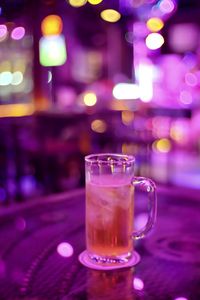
(110, 185)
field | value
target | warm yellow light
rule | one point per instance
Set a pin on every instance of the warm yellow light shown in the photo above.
(99, 126)
(110, 15)
(5, 66)
(177, 133)
(129, 148)
(77, 3)
(16, 110)
(90, 99)
(127, 117)
(119, 105)
(162, 145)
(95, 2)
(51, 25)
(155, 24)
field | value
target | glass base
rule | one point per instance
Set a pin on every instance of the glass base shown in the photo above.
(108, 264)
(105, 260)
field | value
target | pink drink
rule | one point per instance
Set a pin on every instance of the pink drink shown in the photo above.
(109, 216)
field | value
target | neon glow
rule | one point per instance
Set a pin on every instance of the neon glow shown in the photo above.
(155, 24)
(145, 80)
(95, 2)
(110, 15)
(52, 50)
(77, 3)
(18, 33)
(51, 25)
(126, 91)
(90, 99)
(181, 298)
(154, 41)
(3, 32)
(65, 249)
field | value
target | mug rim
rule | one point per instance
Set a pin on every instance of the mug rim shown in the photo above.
(92, 158)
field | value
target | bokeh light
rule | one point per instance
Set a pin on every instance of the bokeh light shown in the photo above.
(52, 50)
(16, 110)
(155, 24)
(99, 126)
(127, 117)
(162, 145)
(145, 78)
(5, 78)
(154, 41)
(95, 2)
(126, 91)
(90, 99)
(77, 3)
(186, 97)
(138, 284)
(51, 25)
(65, 249)
(17, 78)
(110, 15)
(3, 32)
(191, 79)
(18, 33)
(140, 221)
(167, 6)
(179, 131)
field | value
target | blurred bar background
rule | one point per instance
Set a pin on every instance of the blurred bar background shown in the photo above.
(79, 76)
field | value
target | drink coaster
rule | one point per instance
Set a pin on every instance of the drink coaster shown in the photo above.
(84, 260)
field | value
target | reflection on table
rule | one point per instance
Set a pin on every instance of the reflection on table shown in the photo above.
(40, 243)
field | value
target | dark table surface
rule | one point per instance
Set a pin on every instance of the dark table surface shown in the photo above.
(40, 243)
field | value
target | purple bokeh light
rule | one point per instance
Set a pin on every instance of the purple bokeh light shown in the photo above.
(18, 33)
(65, 249)
(167, 6)
(138, 284)
(3, 31)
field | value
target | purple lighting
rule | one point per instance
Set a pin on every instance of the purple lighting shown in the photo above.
(65, 249)
(181, 298)
(18, 33)
(167, 6)
(138, 284)
(191, 79)
(3, 31)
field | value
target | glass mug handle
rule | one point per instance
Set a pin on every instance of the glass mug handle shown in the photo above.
(146, 185)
